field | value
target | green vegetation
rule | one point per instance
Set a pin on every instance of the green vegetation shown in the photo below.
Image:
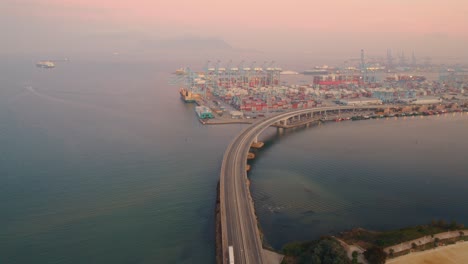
(328, 250)
(355, 257)
(324, 251)
(393, 237)
(375, 255)
(436, 242)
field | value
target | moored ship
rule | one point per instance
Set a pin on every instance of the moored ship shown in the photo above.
(315, 72)
(188, 96)
(180, 71)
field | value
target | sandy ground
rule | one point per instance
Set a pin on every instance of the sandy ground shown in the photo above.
(451, 254)
(424, 240)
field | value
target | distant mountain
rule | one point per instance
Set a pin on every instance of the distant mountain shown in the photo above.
(187, 43)
(196, 43)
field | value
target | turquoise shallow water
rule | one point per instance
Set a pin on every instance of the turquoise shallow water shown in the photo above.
(100, 162)
(376, 174)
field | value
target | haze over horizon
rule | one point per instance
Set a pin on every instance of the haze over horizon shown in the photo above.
(333, 28)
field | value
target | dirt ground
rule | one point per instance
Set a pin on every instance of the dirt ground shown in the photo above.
(452, 254)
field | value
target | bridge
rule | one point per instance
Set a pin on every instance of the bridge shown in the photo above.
(238, 220)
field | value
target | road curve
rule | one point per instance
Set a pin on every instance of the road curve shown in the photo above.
(238, 220)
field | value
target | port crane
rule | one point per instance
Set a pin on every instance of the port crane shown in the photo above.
(227, 83)
(241, 73)
(250, 71)
(215, 78)
(206, 68)
(178, 79)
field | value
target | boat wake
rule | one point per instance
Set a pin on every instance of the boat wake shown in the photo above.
(48, 97)
(82, 105)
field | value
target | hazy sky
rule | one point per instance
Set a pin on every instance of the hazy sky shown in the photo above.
(427, 26)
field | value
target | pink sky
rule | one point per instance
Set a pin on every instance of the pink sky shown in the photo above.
(246, 23)
(415, 16)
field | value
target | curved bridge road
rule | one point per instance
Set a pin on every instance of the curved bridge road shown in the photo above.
(238, 219)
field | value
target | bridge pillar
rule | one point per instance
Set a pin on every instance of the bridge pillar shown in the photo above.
(255, 139)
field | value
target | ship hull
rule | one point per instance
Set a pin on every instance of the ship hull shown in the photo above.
(187, 96)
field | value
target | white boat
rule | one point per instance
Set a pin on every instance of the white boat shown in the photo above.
(45, 64)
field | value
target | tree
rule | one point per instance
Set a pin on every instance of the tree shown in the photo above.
(436, 241)
(355, 255)
(392, 252)
(413, 245)
(375, 255)
(461, 233)
(324, 251)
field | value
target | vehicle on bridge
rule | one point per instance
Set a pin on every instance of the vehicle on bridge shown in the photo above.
(231, 255)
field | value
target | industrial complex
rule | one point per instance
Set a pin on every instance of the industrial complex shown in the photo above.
(246, 91)
(239, 94)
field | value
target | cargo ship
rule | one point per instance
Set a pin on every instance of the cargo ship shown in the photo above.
(320, 70)
(188, 96)
(45, 64)
(288, 73)
(203, 112)
(180, 71)
(315, 72)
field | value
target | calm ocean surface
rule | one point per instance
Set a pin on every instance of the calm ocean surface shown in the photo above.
(376, 174)
(100, 162)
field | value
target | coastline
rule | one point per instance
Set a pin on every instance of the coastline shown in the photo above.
(351, 119)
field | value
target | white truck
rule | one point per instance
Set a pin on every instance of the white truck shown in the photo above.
(231, 255)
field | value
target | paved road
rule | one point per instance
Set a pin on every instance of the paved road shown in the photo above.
(238, 220)
(424, 240)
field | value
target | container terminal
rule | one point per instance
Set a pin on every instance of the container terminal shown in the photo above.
(237, 94)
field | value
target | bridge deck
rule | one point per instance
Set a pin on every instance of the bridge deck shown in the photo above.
(238, 220)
